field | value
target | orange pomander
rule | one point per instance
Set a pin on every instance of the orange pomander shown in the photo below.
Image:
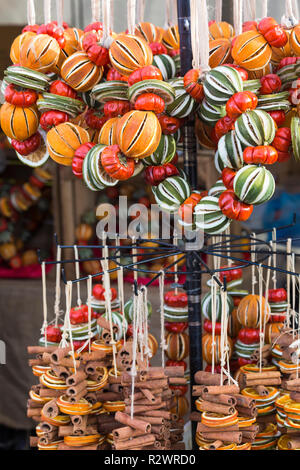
(128, 53)
(108, 132)
(177, 346)
(193, 85)
(40, 52)
(180, 406)
(257, 74)
(272, 331)
(72, 44)
(251, 51)
(207, 348)
(295, 40)
(138, 133)
(220, 29)
(250, 311)
(219, 52)
(63, 140)
(148, 31)
(19, 123)
(171, 38)
(234, 325)
(80, 73)
(204, 134)
(16, 46)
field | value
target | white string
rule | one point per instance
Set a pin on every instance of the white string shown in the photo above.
(288, 8)
(140, 11)
(45, 314)
(288, 279)
(264, 8)
(253, 257)
(296, 9)
(297, 370)
(68, 312)
(57, 285)
(95, 6)
(112, 9)
(131, 15)
(148, 351)
(107, 295)
(77, 272)
(218, 10)
(238, 16)
(162, 317)
(274, 247)
(59, 12)
(106, 18)
(200, 45)
(30, 12)
(89, 299)
(120, 280)
(173, 13)
(47, 11)
(213, 319)
(252, 9)
(134, 353)
(167, 14)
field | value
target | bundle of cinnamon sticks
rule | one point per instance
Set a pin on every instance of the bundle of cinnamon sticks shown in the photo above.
(223, 414)
(66, 403)
(152, 425)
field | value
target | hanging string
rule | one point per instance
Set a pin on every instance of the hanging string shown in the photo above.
(293, 269)
(252, 9)
(260, 290)
(238, 16)
(288, 19)
(134, 353)
(77, 272)
(59, 12)
(162, 318)
(140, 11)
(200, 45)
(89, 299)
(253, 259)
(57, 285)
(288, 279)
(112, 8)
(296, 9)
(45, 313)
(264, 8)
(274, 247)
(47, 11)
(120, 281)
(288, 8)
(68, 320)
(218, 10)
(30, 12)
(175, 242)
(95, 6)
(213, 319)
(227, 232)
(167, 14)
(173, 13)
(134, 259)
(107, 295)
(131, 15)
(224, 340)
(148, 352)
(106, 20)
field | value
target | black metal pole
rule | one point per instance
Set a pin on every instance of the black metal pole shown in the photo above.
(193, 281)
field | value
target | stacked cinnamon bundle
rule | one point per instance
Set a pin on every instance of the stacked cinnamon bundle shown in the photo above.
(227, 419)
(68, 404)
(261, 388)
(288, 408)
(153, 426)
